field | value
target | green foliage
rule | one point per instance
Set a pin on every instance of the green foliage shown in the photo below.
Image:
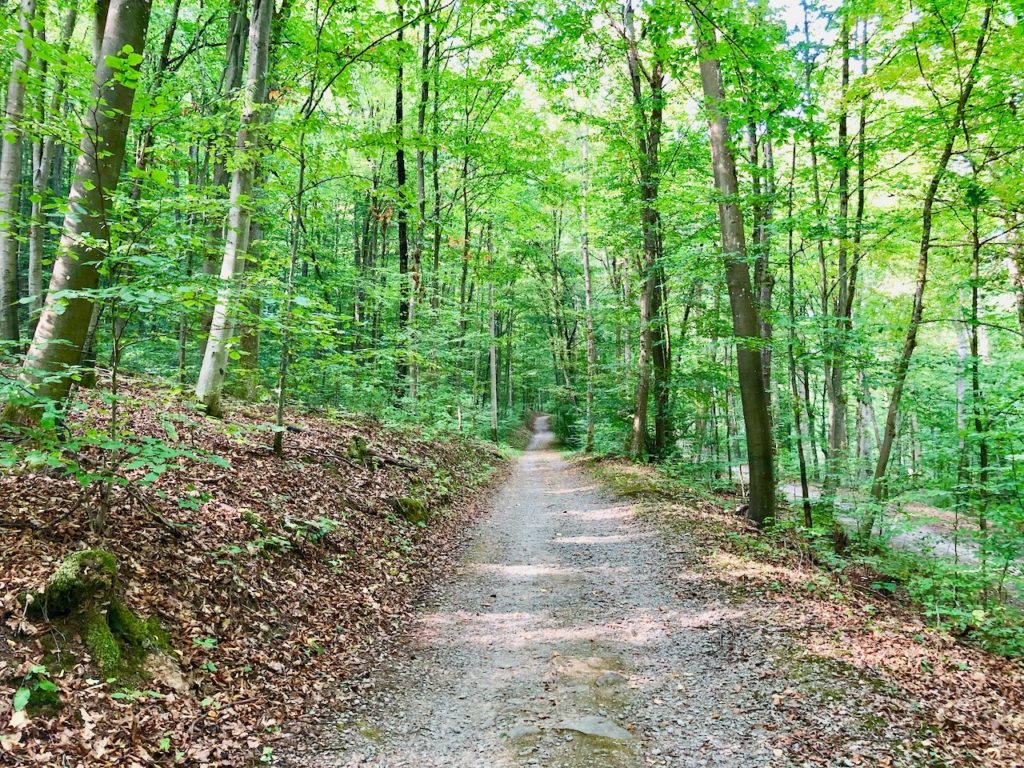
(37, 693)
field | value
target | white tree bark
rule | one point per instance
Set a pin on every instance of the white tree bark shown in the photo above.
(236, 243)
(43, 154)
(10, 174)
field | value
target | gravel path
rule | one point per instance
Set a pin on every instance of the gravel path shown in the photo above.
(571, 638)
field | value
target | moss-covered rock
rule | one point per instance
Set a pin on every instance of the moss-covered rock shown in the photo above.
(359, 452)
(103, 647)
(144, 634)
(413, 510)
(81, 596)
(82, 580)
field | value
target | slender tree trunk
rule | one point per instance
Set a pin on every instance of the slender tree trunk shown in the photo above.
(838, 438)
(508, 363)
(403, 213)
(421, 198)
(744, 310)
(10, 173)
(145, 141)
(222, 327)
(764, 278)
(648, 120)
(805, 494)
(60, 334)
(910, 342)
(819, 237)
(977, 402)
(661, 358)
(493, 364)
(42, 178)
(812, 432)
(591, 344)
(435, 176)
(230, 82)
(286, 334)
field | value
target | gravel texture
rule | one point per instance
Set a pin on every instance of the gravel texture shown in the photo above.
(575, 636)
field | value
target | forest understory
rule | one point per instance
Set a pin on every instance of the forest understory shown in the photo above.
(285, 592)
(285, 285)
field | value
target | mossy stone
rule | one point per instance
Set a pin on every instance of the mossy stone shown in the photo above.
(81, 595)
(102, 645)
(82, 579)
(413, 510)
(360, 452)
(146, 635)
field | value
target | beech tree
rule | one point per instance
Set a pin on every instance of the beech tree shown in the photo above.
(10, 173)
(789, 247)
(60, 334)
(236, 242)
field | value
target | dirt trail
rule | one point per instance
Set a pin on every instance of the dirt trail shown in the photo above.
(570, 638)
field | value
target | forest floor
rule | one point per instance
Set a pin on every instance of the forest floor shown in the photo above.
(274, 578)
(583, 630)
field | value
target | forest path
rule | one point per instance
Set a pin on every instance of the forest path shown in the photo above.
(571, 638)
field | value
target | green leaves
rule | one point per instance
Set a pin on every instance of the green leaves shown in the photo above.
(21, 698)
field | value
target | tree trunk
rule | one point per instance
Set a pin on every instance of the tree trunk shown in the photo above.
(493, 359)
(910, 342)
(591, 345)
(791, 354)
(421, 198)
(222, 326)
(10, 174)
(145, 141)
(286, 333)
(403, 213)
(230, 82)
(58, 341)
(977, 402)
(42, 173)
(838, 438)
(648, 138)
(746, 325)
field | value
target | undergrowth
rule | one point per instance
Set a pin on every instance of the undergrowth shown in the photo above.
(954, 597)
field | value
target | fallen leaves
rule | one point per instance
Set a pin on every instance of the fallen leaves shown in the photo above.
(268, 617)
(966, 705)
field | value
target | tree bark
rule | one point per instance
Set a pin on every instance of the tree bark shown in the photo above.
(403, 213)
(145, 141)
(648, 139)
(493, 360)
(236, 244)
(791, 354)
(286, 334)
(917, 311)
(421, 198)
(58, 341)
(585, 253)
(838, 438)
(746, 325)
(230, 82)
(44, 153)
(10, 174)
